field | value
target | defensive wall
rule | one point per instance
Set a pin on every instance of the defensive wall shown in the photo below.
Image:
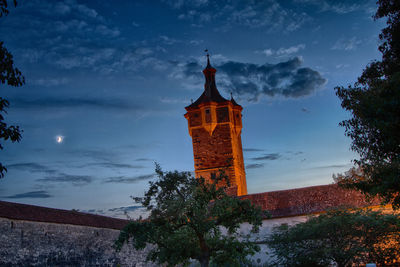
(38, 236)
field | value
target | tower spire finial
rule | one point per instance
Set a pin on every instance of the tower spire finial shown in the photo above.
(208, 58)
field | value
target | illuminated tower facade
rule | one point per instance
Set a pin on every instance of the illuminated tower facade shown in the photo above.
(215, 125)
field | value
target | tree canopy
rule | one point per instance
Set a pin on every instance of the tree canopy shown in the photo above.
(11, 76)
(343, 237)
(374, 102)
(191, 219)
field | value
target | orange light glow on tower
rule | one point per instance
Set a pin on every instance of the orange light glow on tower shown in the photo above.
(215, 125)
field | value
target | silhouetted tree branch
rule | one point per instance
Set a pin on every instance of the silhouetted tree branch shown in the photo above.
(12, 76)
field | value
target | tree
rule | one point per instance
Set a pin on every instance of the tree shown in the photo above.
(191, 219)
(12, 76)
(342, 237)
(374, 101)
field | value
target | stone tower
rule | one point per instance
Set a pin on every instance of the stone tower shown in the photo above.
(215, 125)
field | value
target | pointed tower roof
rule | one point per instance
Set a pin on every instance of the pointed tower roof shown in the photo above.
(210, 93)
(233, 101)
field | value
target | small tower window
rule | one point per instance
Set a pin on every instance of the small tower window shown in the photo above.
(223, 114)
(208, 115)
(195, 119)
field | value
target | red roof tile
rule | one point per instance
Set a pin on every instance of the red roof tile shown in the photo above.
(41, 214)
(308, 200)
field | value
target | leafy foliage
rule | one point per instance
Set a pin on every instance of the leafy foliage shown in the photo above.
(4, 7)
(11, 76)
(374, 101)
(340, 236)
(192, 219)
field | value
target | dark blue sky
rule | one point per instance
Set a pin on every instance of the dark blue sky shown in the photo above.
(113, 77)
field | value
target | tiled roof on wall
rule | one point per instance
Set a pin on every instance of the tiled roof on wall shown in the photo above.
(25, 212)
(309, 200)
(284, 203)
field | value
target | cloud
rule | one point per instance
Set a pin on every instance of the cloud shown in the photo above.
(42, 103)
(168, 40)
(270, 156)
(67, 35)
(127, 209)
(51, 175)
(346, 44)
(127, 212)
(50, 82)
(268, 52)
(76, 180)
(114, 165)
(333, 166)
(31, 167)
(342, 66)
(86, 11)
(129, 180)
(252, 149)
(339, 6)
(250, 81)
(290, 50)
(196, 42)
(282, 51)
(106, 31)
(143, 159)
(32, 194)
(268, 14)
(182, 3)
(171, 100)
(305, 110)
(96, 155)
(254, 166)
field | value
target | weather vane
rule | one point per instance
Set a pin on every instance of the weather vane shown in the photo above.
(207, 55)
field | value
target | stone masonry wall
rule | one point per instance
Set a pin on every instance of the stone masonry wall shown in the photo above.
(26, 243)
(212, 151)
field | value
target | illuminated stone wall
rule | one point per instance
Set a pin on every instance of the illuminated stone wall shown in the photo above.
(215, 129)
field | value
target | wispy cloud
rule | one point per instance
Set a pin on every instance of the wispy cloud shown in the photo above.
(113, 165)
(143, 159)
(269, 14)
(252, 149)
(254, 166)
(129, 180)
(333, 166)
(31, 167)
(283, 51)
(127, 208)
(270, 156)
(127, 212)
(76, 180)
(68, 35)
(339, 6)
(51, 174)
(346, 44)
(49, 82)
(32, 194)
(42, 103)
(168, 40)
(305, 110)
